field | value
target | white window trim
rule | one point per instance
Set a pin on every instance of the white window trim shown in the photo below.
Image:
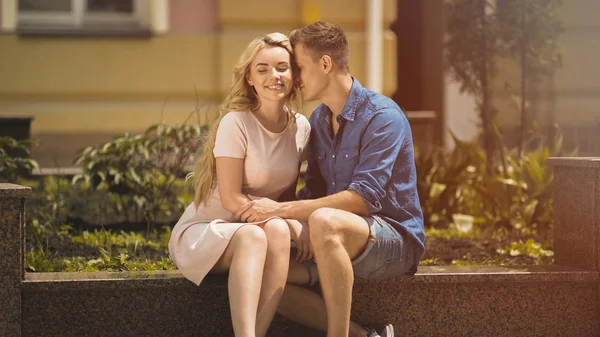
(152, 14)
(158, 16)
(9, 15)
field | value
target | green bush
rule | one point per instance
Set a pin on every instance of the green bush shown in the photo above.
(516, 192)
(142, 174)
(15, 161)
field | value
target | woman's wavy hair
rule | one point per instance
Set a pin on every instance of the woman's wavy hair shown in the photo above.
(241, 97)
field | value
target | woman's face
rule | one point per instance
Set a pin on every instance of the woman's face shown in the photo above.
(271, 74)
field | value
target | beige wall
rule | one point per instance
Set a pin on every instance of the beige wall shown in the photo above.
(107, 68)
(576, 84)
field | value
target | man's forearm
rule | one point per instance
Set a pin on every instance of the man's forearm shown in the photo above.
(346, 200)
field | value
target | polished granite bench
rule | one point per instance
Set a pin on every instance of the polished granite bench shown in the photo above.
(557, 300)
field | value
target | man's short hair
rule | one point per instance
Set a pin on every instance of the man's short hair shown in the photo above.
(323, 38)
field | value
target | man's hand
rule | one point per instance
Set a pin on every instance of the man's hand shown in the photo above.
(301, 236)
(258, 209)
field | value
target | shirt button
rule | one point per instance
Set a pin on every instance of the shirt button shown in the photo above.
(333, 156)
(334, 183)
(346, 156)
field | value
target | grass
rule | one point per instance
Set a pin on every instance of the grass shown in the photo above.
(118, 250)
(101, 250)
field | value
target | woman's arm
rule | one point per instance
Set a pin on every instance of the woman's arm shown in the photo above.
(230, 173)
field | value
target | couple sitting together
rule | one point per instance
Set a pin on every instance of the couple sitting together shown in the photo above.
(357, 215)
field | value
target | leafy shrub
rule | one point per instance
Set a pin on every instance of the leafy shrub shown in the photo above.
(15, 161)
(141, 173)
(515, 192)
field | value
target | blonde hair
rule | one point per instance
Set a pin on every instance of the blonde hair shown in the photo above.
(241, 97)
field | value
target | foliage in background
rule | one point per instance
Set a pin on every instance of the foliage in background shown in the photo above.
(131, 178)
(141, 173)
(472, 49)
(517, 195)
(530, 248)
(479, 33)
(47, 209)
(106, 251)
(529, 32)
(15, 159)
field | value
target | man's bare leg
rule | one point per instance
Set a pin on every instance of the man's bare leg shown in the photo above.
(337, 237)
(304, 306)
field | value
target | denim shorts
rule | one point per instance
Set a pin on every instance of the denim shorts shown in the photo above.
(388, 253)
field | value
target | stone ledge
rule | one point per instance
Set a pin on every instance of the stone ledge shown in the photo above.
(426, 274)
(437, 301)
(593, 162)
(13, 191)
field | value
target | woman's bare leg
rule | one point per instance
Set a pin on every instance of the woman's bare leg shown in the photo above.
(245, 259)
(274, 274)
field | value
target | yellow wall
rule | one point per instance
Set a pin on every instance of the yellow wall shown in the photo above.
(169, 66)
(107, 68)
(110, 85)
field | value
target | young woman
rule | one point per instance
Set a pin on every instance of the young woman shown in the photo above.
(254, 149)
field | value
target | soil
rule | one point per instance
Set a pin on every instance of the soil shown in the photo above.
(484, 249)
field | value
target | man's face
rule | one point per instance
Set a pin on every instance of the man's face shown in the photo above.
(313, 78)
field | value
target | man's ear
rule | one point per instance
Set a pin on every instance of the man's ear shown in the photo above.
(326, 64)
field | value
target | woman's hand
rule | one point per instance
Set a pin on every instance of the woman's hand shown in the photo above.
(300, 235)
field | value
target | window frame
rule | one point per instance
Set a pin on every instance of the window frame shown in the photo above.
(150, 17)
(79, 18)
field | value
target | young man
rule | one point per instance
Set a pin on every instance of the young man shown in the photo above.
(360, 198)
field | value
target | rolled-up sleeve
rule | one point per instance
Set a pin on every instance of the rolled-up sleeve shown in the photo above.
(381, 143)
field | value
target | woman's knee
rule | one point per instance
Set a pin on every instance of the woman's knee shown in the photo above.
(250, 236)
(278, 235)
(277, 230)
(245, 239)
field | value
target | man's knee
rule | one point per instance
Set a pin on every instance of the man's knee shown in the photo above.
(325, 226)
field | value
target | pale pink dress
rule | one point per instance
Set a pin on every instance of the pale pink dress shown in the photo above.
(271, 162)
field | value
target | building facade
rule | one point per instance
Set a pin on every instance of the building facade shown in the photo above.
(87, 70)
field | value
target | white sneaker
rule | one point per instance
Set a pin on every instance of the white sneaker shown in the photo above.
(388, 331)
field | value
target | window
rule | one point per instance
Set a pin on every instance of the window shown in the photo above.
(96, 16)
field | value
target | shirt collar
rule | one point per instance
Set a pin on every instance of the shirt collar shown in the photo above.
(349, 110)
(354, 98)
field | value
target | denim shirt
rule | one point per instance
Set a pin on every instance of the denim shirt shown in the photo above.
(372, 153)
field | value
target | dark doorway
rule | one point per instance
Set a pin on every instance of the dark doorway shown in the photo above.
(420, 89)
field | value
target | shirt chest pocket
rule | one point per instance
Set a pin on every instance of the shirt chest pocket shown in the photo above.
(346, 161)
